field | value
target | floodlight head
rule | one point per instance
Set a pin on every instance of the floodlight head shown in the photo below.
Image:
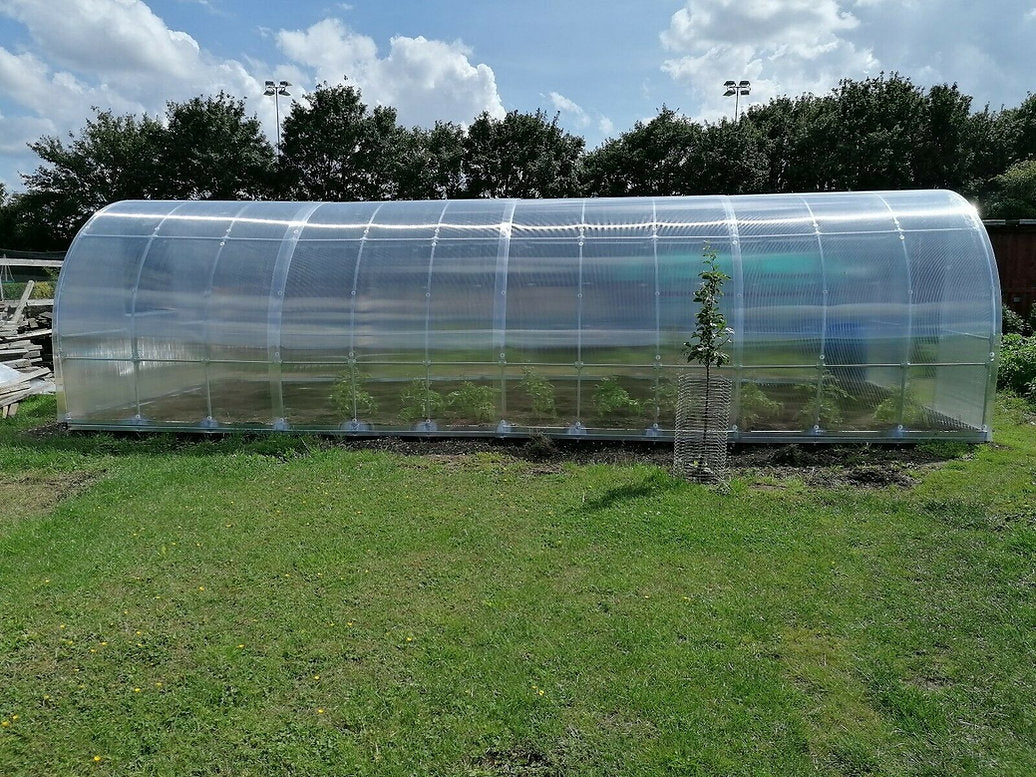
(728, 84)
(730, 92)
(269, 84)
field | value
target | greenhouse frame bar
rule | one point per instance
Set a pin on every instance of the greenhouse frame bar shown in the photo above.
(855, 316)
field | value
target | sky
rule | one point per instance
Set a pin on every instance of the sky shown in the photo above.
(601, 65)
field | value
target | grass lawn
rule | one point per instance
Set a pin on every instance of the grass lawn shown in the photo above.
(284, 606)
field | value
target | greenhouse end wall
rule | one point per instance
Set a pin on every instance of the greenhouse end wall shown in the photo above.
(870, 315)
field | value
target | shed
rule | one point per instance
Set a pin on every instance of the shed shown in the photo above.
(861, 315)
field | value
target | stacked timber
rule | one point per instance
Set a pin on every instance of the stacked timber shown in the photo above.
(25, 330)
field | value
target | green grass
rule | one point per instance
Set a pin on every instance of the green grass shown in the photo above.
(282, 606)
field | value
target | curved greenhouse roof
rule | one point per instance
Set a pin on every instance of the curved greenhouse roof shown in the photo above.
(855, 315)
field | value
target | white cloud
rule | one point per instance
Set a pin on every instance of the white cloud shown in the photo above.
(425, 80)
(114, 36)
(113, 54)
(781, 46)
(566, 105)
(16, 131)
(579, 115)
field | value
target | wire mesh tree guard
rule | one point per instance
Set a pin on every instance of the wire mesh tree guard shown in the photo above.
(702, 423)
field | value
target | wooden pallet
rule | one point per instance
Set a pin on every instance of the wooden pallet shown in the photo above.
(23, 324)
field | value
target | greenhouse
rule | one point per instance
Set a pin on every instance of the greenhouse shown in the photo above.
(869, 316)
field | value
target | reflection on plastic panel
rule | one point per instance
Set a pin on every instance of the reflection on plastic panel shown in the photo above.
(853, 311)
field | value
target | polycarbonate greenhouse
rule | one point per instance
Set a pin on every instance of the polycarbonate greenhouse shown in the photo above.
(855, 316)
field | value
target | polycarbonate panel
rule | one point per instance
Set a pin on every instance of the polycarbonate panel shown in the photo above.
(392, 298)
(543, 301)
(461, 301)
(619, 321)
(679, 262)
(783, 304)
(868, 299)
(853, 315)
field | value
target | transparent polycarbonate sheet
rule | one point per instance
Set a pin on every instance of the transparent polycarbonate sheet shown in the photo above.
(543, 300)
(461, 300)
(679, 262)
(853, 315)
(868, 296)
(392, 296)
(619, 320)
(98, 390)
(783, 304)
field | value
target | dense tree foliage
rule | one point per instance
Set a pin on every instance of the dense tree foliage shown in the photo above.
(335, 148)
(211, 150)
(521, 155)
(112, 158)
(1013, 194)
(430, 163)
(207, 148)
(877, 133)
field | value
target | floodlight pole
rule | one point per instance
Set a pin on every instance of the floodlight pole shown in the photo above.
(736, 89)
(275, 90)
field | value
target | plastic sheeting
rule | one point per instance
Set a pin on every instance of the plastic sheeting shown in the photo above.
(855, 315)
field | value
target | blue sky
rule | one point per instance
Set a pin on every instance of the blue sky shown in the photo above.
(603, 65)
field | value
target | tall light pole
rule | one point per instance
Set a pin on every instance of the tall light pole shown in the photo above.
(733, 89)
(275, 91)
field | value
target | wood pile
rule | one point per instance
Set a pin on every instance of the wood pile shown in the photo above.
(25, 331)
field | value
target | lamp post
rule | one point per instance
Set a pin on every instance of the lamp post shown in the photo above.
(735, 89)
(276, 90)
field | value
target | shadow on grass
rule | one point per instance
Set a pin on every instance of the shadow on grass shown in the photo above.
(656, 482)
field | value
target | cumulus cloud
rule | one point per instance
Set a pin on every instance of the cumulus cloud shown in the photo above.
(135, 41)
(797, 46)
(988, 53)
(571, 107)
(579, 115)
(425, 80)
(785, 47)
(113, 54)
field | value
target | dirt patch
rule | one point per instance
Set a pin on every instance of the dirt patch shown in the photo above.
(856, 465)
(32, 494)
(518, 761)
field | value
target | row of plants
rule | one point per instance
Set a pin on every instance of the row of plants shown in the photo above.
(534, 400)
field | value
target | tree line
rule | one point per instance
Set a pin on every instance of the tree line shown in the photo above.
(878, 133)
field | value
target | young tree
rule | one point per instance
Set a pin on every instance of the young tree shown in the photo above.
(711, 333)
